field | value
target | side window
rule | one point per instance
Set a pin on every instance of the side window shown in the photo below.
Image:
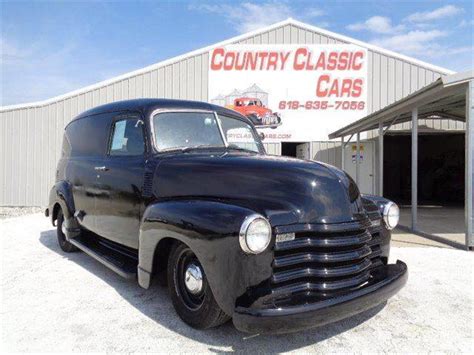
(88, 136)
(127, 138)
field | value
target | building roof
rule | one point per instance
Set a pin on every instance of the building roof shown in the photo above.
(444, 98)
(230, 41)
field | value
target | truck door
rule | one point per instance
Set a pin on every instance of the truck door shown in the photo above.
(88, 139)
(119, 200)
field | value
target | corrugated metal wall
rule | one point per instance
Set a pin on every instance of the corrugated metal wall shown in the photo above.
(328, 152)
(273, 148)
(31, 136)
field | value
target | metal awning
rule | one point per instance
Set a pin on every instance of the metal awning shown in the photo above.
(449, 97)
(444, 98)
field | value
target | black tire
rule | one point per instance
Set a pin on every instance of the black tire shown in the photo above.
(63, 243)
(200, 311)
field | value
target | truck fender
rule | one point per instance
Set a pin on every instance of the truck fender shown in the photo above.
(211, 230)
(61, 194)
(379, 201)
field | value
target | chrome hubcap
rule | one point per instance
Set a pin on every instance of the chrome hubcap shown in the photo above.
(193, 279)
(63, 228)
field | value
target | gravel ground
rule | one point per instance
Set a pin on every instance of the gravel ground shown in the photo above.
(7, 212)
(57, 302)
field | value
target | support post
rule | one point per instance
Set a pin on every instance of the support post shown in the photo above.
(414, 168)
(381, 133)
(343, 165)
(469, 163)
(358, 159)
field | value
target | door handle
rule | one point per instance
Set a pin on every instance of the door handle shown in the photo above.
(101, 168)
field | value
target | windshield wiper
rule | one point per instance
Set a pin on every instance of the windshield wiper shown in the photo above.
(236, 147)
(190, 148)
(205, 146)
(202, 146)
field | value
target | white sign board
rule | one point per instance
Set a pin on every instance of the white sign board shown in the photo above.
(291, 92)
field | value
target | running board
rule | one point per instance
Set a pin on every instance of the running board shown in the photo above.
(112, 263)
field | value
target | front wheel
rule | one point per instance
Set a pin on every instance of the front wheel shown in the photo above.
(190, 292)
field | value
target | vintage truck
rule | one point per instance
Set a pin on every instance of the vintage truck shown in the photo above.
(155, 187)
(260, 115)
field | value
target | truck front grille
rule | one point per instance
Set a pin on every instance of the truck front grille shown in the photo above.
(335, 258)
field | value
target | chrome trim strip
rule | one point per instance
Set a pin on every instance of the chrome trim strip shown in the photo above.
(322, 272)
(325, 257)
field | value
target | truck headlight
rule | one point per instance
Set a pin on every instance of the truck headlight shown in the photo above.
(255, 234)
(391, 215)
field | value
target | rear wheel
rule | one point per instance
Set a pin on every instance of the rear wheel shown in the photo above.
(190, 292)
(61, 233)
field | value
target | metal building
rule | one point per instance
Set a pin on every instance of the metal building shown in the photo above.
(31, 134)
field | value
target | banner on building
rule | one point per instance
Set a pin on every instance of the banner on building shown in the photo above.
(291, 92)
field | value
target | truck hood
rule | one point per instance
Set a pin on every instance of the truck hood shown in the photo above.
(285, 190)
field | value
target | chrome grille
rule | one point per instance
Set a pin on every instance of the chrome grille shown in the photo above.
(332, 259)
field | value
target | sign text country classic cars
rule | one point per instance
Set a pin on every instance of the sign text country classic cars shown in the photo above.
(291, 92)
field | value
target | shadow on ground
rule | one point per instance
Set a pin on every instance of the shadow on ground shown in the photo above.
(439, 226)
(156, 304)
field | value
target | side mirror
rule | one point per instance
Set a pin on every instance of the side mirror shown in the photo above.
(262, 136)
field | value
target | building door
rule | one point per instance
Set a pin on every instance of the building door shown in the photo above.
(440, 168)
(303, 151)
(366, 161)
(299, 150)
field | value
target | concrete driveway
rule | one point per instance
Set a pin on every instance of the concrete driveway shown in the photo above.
(52, 301)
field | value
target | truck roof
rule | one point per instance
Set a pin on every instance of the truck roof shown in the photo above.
(147, 106)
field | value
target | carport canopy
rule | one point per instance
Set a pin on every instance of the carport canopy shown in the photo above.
(449, 97)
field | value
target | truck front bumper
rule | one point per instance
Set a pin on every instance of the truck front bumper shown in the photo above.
(386, 281)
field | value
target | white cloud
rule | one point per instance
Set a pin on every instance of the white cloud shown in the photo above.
(412, 42)
(437, 14)
(376, 24)
(420, 35)
(314, 13)
(249, 16)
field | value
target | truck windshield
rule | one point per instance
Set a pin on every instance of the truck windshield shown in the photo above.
(193, 130)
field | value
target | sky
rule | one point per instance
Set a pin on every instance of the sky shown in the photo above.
(49, 48)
